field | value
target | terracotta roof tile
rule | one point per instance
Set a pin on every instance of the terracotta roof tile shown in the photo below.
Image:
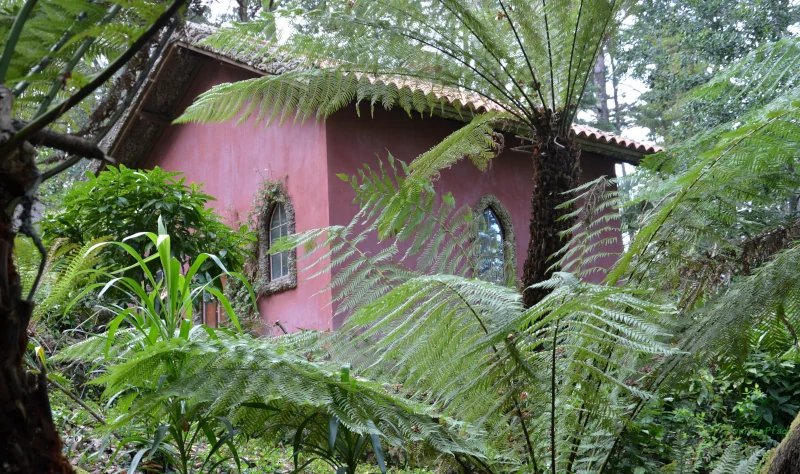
(584, 131)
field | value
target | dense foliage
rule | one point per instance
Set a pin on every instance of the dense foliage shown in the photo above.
(45, 46)
(117, 200)
(176, 381)
(675, 46)
(684, 359)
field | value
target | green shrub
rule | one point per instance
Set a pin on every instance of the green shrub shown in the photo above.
(750, 403)
(120, 201)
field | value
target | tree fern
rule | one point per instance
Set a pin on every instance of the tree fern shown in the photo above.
(527, 63)
(702, 213)
(763, 75)
(469, 347)
(587, 357)
(518, 56)
(715, 199)
(728, 183)
(582, 345)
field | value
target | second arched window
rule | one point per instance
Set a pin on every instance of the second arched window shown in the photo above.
(492, 261)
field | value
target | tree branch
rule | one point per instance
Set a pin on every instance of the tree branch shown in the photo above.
(80, 402)
(71, 144)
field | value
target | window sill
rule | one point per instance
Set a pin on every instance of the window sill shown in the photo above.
(288, 282)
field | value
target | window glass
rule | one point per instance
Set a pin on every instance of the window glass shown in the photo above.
(278, 227)
(491, 263)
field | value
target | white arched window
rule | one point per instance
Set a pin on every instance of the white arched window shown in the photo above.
(278, 271)
(278, 227)
(492, 261)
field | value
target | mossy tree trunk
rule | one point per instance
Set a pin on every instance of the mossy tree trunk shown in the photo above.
(556, 170)
(785, 459)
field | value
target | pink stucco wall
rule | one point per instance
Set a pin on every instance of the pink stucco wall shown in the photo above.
(353, 140)
(226, 157)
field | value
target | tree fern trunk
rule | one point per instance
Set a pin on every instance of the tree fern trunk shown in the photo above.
(785, 458)
(556, 170)
(29, 442)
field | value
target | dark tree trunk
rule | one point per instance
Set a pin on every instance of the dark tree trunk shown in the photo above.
(556, 170)
(29, 442)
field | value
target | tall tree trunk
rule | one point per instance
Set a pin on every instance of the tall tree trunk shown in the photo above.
(242, 13)
(615, 78)
(556, 170)
(29, 442)
(599, 81)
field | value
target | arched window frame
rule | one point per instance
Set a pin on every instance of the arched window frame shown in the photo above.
(267, 285)
(490, 201)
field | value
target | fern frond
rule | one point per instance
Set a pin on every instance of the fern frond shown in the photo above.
(523, 59)
(263, 387)
(764, 74)
(735, 461)
(70, 275)
(495, 351)
(398, 209)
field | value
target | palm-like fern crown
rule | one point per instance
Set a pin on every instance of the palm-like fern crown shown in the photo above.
(698, 208)
(526, 59)
(718, 216)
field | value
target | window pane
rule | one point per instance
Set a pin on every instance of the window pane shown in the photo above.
(276, 269)
(491, 263)
(278, 227)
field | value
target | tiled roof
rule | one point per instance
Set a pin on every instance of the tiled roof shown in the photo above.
(152, 110)
(480, 104)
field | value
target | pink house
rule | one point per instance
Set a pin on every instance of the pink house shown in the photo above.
(226, 158)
